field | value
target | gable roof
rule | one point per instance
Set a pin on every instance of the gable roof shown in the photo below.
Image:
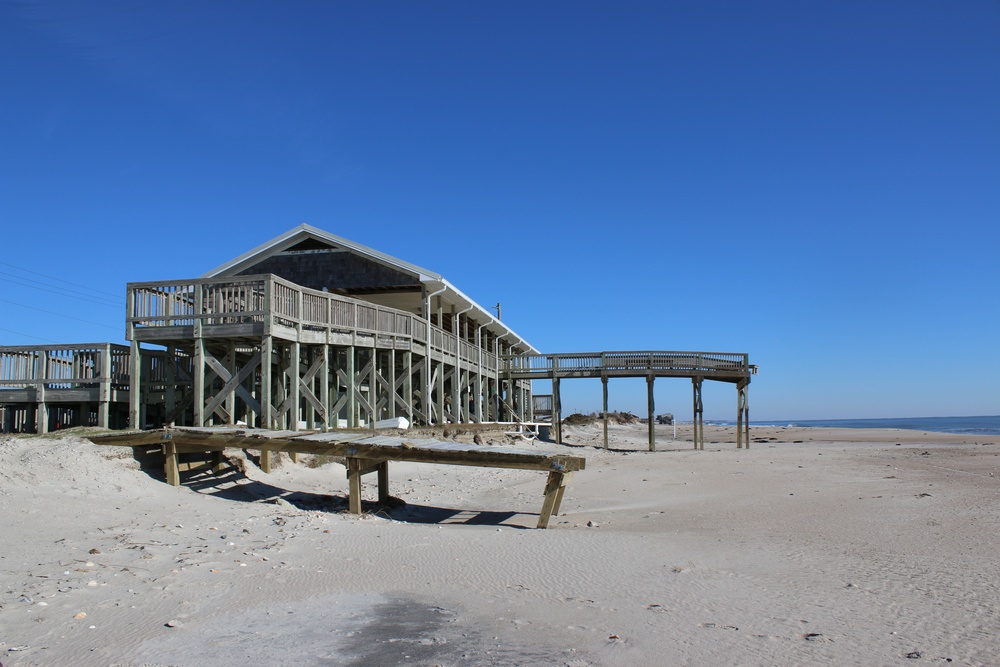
(302, 233)
(434, 283)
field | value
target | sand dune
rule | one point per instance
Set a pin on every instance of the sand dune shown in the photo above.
(815, 546)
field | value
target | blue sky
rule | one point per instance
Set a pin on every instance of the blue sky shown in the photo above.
(816, 184)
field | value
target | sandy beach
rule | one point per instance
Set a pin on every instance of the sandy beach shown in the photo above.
(814, 546)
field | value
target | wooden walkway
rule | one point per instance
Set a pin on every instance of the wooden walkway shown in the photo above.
(364, 453)
(733, 367)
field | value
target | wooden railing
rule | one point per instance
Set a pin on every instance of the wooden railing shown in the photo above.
(64, 366)
(598, 363)
(269, 299)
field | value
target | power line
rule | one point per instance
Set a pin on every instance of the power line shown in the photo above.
(61, 291)
(70, 317)
(20, 333)
(60, 280)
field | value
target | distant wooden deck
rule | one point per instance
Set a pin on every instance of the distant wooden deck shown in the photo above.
(364, 453)
(44, 387)
(722, 366)
(734, 367)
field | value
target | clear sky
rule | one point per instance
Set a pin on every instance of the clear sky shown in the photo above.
(814, 183)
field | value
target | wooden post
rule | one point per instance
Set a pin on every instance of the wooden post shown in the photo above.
(604, 387)
(555, 487)
(171, 467)
(171, 388)
(354, 485)
(218, 462)
(231, 395)
(199, 381)
(134, 385)
(742, 415)
(650, 379)
(370, 374)
(408, 384)
(42, 408)
(698, 424)
(104, 395)
(383, 482)
(266, 354)
(294, 373)
(352, 400)
(392, 384)
(324, 389)
(556, 410)
(440, 392)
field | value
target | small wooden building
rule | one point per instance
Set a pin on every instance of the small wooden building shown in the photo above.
(311, 330)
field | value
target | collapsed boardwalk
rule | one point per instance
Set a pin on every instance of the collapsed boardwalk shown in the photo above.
(364, 453)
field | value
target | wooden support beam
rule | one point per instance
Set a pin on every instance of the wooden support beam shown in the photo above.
(556, 410)
(604, 388)
(135, 384)
(233, 384)
(439, 372)
(199, 382)
(264, 417)
(294, 385)
(650, 379)
(351, 389)
(354, 472)
(742, 415)
(219, 463)
(383, 482)
(171, 388)
(171, 465)
(408, 385)
(555, 486)
(698, 425)
(324, 387)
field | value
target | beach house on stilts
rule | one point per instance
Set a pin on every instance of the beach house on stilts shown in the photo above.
(311, 330)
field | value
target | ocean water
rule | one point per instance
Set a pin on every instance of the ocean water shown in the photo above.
(988, 425)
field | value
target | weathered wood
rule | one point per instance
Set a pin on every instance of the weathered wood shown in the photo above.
(354, 472)
(383, 482)
(604, 389)
(171, 467)
(363, 452)
(651, 422)
(554, 487)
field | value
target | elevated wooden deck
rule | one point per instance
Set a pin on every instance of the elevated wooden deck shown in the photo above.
(44, 387)
(734, 367)
(722, 366)
(271, 353)
(250, 307)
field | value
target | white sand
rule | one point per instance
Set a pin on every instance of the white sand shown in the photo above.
(845, 548)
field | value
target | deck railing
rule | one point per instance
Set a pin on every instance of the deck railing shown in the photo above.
(596, 363)
(272, 300)
(64, 366)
